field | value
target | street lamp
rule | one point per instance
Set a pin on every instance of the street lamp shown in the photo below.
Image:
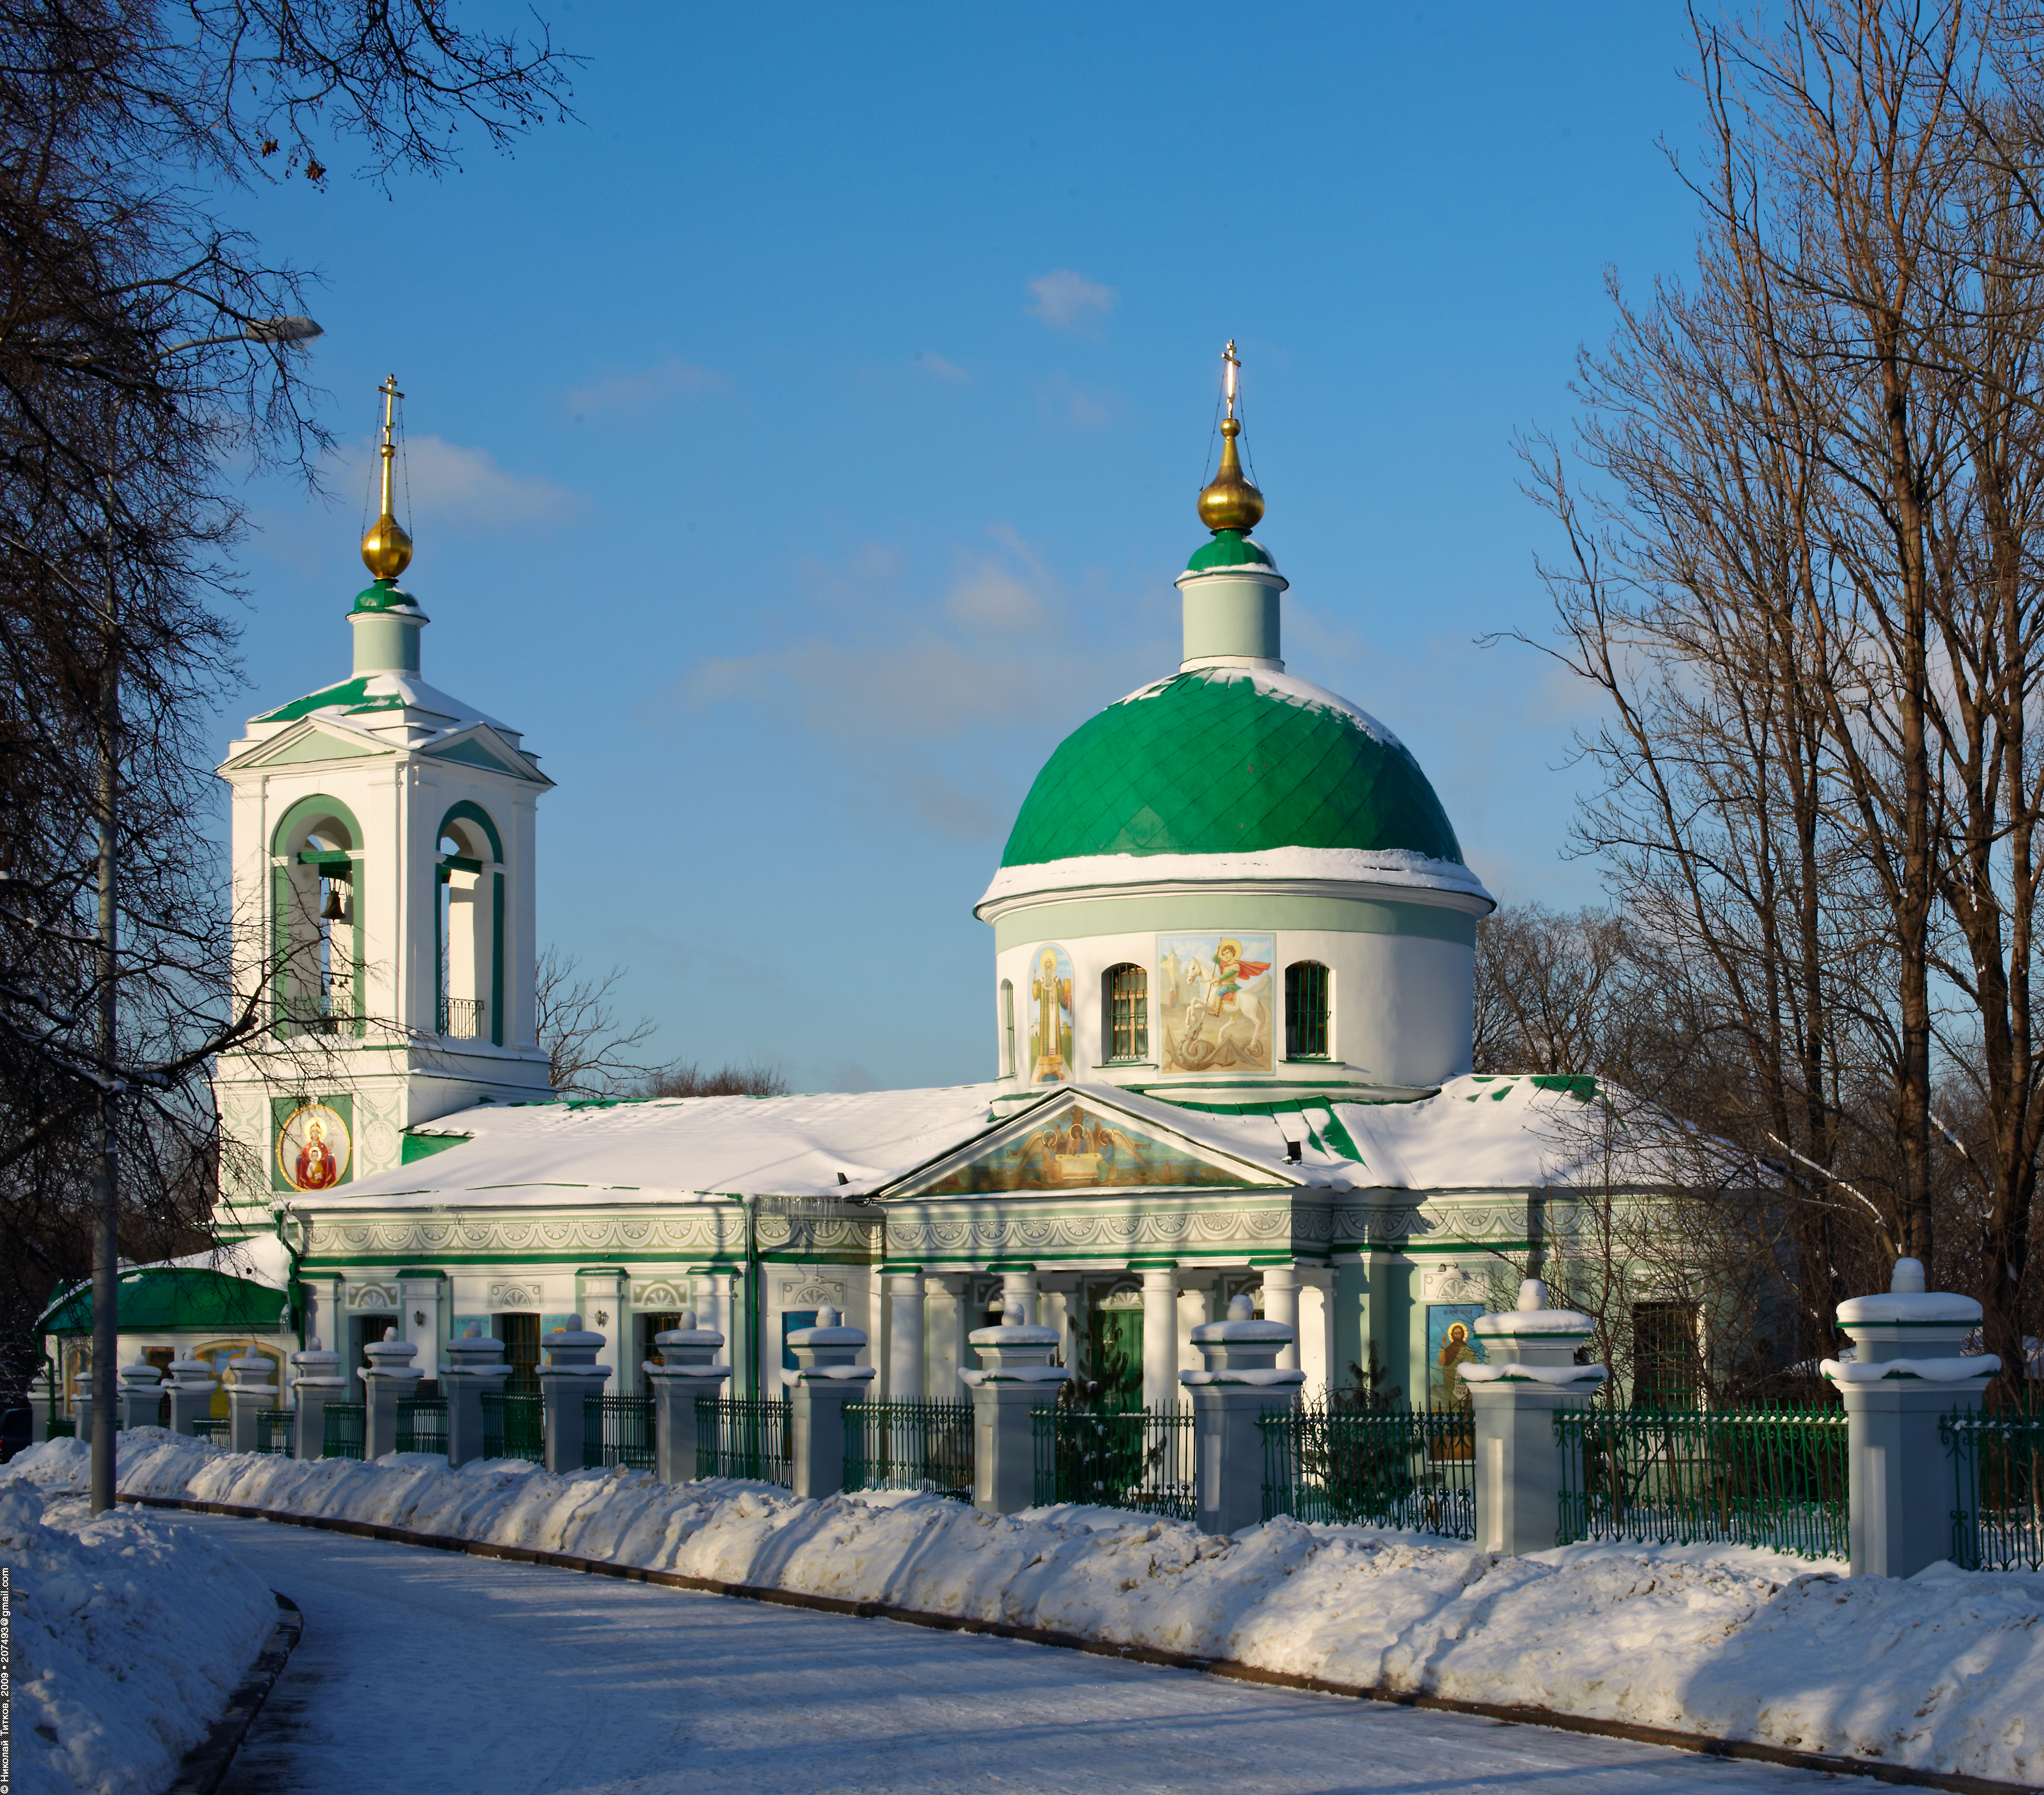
(107, 1233)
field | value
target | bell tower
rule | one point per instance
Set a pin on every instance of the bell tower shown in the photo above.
(383, 891)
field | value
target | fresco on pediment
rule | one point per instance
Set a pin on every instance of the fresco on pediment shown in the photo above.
(1214, 1000)
(1081, 1148)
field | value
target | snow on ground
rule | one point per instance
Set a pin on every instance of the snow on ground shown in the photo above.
(127, 1641)
(1945, 1671)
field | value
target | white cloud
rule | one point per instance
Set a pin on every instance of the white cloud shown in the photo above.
(1065, 300)
(941, 368)
(466, 488)
(648, 389)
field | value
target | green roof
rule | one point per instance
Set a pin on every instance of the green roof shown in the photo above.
(161, 1297)
(1229, 548)
(349, 692)
(383, 595)
(1218, 761)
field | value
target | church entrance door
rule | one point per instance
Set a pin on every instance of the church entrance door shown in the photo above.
(1117, 1358)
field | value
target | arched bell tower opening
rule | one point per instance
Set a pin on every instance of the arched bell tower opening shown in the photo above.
(315, 917)
(468, 918)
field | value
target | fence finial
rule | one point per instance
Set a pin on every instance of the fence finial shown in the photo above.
(827, 1316)
(1242, 1307)
(1532, 1293)
(1908, 1278)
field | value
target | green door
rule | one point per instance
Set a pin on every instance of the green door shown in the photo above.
(1117, 1358)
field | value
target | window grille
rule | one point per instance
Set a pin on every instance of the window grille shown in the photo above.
(1667, 1356)
(520, 1335)
(1007, 1027)
(1307, 983)
(1127, 1014)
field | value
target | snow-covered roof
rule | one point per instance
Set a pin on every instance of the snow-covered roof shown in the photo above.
(1477, 1133)
(1398, 867)
(385, 710)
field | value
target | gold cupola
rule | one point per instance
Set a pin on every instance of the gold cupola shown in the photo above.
(1228, 502)
(386, 550)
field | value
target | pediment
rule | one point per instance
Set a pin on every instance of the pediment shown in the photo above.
(307, 742)
(1080, 1143)
(483, 747)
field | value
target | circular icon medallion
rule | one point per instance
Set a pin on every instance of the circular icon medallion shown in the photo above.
(312, 1148)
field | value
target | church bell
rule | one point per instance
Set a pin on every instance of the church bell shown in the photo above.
(335, 911)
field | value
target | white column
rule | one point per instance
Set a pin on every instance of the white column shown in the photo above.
(949, 1318)
(1020, 1286)
(1160, 1338)
(714, 1301)
(905, 1337)
(419, 1319)
(1281, 1304)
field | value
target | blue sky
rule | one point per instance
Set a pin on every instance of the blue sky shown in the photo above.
(805, 441)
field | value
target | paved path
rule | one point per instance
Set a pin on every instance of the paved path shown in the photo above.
(425, 1670)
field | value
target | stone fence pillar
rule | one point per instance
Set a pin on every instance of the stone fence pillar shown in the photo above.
(687, 1369)
(81, 1410)
(475, 1369)
(315, 1380)
(42, 1395)
(192, 1385)
(1241, 1382)
(250, 1390)
(826, 1379)
(386, 1379)
(1531, 1374)
(141, 1394)
(570, 1373)
(1906, 1373)
(1014, 1379)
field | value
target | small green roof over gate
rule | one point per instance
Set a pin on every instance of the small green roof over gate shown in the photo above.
(161, 1297)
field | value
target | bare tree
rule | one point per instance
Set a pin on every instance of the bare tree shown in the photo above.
(588, 1051)
(685, 1078)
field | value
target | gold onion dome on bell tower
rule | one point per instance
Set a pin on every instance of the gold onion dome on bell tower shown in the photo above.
(386, 550)
(1228, 502)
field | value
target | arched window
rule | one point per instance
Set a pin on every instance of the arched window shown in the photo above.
(1125, 1000)
(316, 919)
(1007, 1027)
(469, 926)
(1308, 987)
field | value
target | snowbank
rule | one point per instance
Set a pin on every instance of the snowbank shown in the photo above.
(128, 1638)
(1945, 1671)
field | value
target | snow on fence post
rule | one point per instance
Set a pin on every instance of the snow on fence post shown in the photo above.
(1906, 1373)
(389, 1377)
(826, 1379)
(1532, 1373)
(141, 1393)
(1014, 1379)
(570, 1373)
(315, 1380)
(1240, 1383)
(686, 1371)
(250, 1390)
(41, 1398)
(475, 1369)
(192, 1385)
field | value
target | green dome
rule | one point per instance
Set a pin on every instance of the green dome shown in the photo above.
(1229, 548)
(1228, 761)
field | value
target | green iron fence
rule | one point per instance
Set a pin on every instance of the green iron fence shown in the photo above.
(422, 1424)
(1997, 1488)
(514, 1426)
(617, 1430)
(1141, 1460)
(746, 1436)
(213, 1432)
(1751, 1477)
(909, 1446)
(1404, 1468)
(273, 1431)
(60, 1426)
(345, 1430)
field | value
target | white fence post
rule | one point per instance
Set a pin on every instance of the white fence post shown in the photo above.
(315, 1380)
(389, 1377)
(250, 1390)
(1906, 1373)
(826, 1379)
(1241, 1382)
(1532, 1375)
(687, 1369)
(192, 1385)
(141, 1394)
(475, 1369)
(570, 1373)
(1014, 1379)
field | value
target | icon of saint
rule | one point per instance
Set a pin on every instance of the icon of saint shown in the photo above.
(317, 1168)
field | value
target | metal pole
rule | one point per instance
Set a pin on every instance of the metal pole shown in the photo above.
(107, 1233)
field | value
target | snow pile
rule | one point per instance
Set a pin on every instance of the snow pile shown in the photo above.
(128, 1638)
(1945, 1671)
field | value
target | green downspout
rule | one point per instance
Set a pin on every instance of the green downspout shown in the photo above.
(749, 1303)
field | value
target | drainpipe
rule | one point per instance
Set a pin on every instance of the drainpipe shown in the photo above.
(749, 1300)
(294, 1288)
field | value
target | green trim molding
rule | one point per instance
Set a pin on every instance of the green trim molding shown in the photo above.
(1175, 913)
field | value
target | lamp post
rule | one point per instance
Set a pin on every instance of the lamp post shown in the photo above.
(107, 1233)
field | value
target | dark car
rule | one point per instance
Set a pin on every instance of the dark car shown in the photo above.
(14, 1430)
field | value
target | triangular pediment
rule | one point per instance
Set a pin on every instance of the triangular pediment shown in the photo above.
(485, 748)
(305, 742)
(1080, 1143)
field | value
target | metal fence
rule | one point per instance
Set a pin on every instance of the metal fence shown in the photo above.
(273, 1428)
(746, 1436)
(1997, 1488)
(1141, 1460)
(514, 1426)
(1751, 1477)
(909, 1446)
(617, 1430)
(214, 1432)
(345, 1430)
(422, 1424)
(1406, 1468)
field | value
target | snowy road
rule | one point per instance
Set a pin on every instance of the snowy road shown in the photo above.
(430, 1671)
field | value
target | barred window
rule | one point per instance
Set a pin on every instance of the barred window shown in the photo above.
(1306, 984)
(1007, 1027)
(1127, 1014)
(1667, 1354)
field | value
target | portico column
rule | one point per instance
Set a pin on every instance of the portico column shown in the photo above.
(713, 1298)
(1160, 1336)
(1280, 1304)
(905, 1337)
(1018, 1285)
